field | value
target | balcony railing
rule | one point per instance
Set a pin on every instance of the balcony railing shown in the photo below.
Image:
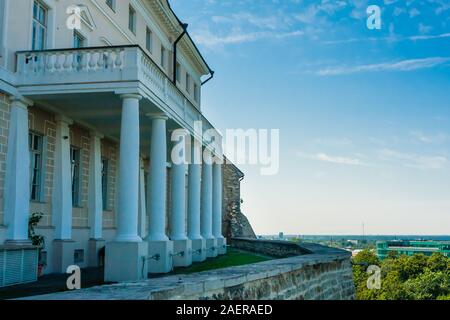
(105, 65)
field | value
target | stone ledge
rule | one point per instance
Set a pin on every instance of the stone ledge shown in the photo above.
(294, 277)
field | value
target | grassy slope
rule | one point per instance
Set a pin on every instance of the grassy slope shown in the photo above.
(232, 258)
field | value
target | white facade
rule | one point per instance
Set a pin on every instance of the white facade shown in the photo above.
(88, 115)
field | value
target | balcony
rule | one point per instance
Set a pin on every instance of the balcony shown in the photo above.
(104, 69)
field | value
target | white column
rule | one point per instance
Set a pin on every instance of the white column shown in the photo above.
(157, 179)
(206, 205)
(217, 206)
(178, 214)
(125, 258)
(194, 191)
(217, 200)
(62, 181)
(17, 183)
(194, 201)
(127, 230)
(142, 202)
(95, 186)
(160, 248)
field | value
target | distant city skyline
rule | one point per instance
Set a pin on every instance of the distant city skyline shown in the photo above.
(364, 115)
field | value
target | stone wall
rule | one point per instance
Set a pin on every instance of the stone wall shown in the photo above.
(235, 224)
(324, 274)
(273, 248)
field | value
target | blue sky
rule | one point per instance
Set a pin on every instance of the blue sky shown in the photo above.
(364, 115)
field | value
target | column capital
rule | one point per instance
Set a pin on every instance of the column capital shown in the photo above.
(157, 116)
(21, 102)
(130, 96)
(63, 119)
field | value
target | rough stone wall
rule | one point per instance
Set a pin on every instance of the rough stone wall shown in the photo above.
(324, 274)
(4, 130)
(235, 224)
(272, 248)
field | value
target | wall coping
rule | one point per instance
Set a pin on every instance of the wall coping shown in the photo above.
(171, 287)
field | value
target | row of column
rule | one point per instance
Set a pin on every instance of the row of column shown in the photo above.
(129, 257)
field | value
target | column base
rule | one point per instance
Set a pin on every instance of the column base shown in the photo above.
(125, 261)
(211, 248)
(160, 257)
(63, 255)
(95, 245)
(222, 246)
(198, 250)
(182, 250)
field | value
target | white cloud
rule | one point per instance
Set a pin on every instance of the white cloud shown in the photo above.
(211, 40)
(323, 157)
(430, 139)
(409, 160)
(404, 65)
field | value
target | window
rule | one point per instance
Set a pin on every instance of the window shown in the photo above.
(188, 83)
(105, 169)
(163, 57)
(149, 40)
(75, 171)
(78, 256)
(132, 19)
(35, 144)
(78, 40)
(178, 72)
(40, 20)
(111, 4)
(196, 93)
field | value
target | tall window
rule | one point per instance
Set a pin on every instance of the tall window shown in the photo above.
(178, 72)
(196, 93)
(105, 169)
(149, 40)
(163, 57)
(35, 144)
(188, 83)
(132, 19)
(75, 170)
(40, 20)
(111, 4)
(78, 40)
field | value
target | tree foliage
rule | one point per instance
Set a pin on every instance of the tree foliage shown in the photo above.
(416, 277)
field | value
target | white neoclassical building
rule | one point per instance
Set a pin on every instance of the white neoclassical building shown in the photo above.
(91, 98)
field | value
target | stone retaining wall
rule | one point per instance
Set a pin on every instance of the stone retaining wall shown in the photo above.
(273, 248)
(324, 274)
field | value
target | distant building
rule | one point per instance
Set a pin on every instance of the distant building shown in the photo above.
(410, 248)
(281, 236)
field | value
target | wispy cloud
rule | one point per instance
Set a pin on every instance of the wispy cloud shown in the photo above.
(430, 139)
(404, 65)
(323, 157)
(211, 40)
(409, 160)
